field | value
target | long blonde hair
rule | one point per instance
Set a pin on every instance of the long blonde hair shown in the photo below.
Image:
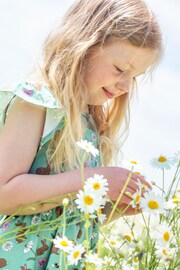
(86, 24)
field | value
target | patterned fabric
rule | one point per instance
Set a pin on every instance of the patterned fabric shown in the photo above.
(28, 240)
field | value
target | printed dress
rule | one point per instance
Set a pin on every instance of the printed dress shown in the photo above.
(26, 242)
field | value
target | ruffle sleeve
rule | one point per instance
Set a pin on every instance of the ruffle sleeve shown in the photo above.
(36, 94)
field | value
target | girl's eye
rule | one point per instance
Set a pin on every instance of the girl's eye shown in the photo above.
(119, 70)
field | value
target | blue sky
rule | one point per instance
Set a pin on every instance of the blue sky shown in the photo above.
(155, 127)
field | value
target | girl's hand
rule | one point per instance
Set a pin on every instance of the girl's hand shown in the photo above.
(117, 178)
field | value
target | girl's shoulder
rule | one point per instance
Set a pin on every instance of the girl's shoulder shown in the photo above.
(35, 93)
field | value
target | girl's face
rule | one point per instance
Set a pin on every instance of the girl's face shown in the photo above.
(111, 69)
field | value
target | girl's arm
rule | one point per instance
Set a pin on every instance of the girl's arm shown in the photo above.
(19, 141)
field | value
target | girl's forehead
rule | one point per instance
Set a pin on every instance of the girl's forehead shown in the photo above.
(124, 53)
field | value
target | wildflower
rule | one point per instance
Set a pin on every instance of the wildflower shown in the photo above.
(142, 185)
(174, 202)
(162, 162)
(88, 203)
(113, 242)
(162, 235)
(152, 203)
(136, 198)
(93, 258)
(165, 253)
(63, 243)
(28, 247)
(108, 261)
(65, 202)
(88, 147)
(75, 254)
(97, 185)
(101, 217)
(7, 246)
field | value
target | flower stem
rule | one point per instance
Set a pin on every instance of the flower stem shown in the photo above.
(120, 196)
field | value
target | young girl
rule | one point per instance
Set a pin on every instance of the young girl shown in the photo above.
(82, 89)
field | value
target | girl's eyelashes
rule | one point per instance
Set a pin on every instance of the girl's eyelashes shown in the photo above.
(119, 70)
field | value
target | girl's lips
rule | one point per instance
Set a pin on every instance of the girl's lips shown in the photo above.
(107, 93)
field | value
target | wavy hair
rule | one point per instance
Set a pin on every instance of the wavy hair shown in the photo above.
(86, 24)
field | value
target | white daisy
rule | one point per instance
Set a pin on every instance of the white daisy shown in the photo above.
(63, 243)
(152, 203)
(136, 198)
(112, 243)
(108, 261)
(162, 162)
(7, 246)
(94, 259)
(165, 253)
(142, 185)
(28, 247)
(88, 147)
(163, 235)
(97, 184)
(101, 217)
(75, 254)
(88, 203)
(174, 202)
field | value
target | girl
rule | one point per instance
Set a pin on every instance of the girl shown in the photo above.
(82, 89)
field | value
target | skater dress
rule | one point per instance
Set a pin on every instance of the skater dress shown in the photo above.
(26, 241)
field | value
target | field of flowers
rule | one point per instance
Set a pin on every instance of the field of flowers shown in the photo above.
(149, 240)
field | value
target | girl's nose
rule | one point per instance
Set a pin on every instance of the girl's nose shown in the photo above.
(124, 83)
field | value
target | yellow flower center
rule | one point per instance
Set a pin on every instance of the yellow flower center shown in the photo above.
(162, 159)
(166, 236)
(137, 173)
(88, 200)
(128, 237)
(136, 260)
(133, 162)
(76, 254)
(112, 242)
(153, 205)
(99, 211)
(96, 186)
(176, 199)
(64, 243)
(138, 197)
(164, 252)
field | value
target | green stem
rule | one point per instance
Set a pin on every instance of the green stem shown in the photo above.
(120, 196)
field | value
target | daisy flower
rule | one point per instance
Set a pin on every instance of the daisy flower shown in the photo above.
(142, 186)
(88, 147)
(174, 202)
(113, 242)
(97, 184)
(88, 203)
(152, 203)
(136, 198)
(162, 235)
(108, 261)
(94, 259)
(75, 254)
(165, 253)
(162, 162)
(101, 217)
(63, 243)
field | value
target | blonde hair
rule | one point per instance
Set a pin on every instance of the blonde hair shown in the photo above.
(86, 24)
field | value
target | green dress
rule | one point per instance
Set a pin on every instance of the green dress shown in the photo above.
(35, 250)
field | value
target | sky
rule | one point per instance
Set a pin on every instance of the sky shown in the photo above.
(155, 112)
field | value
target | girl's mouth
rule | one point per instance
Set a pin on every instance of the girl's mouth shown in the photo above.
(107, 93)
